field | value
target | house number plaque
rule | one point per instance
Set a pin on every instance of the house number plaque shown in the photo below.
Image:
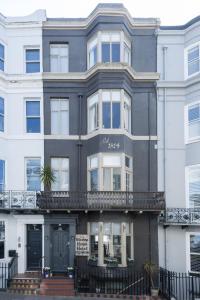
(82, 245)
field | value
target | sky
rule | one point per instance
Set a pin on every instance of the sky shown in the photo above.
(170, 12)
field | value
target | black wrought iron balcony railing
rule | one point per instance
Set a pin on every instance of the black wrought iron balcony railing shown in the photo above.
(98, 200)
(181, 216)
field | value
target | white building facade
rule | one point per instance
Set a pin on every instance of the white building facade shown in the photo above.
(21, 126)
(179, 145)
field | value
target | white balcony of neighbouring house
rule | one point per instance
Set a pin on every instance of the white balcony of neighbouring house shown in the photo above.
(18, 200)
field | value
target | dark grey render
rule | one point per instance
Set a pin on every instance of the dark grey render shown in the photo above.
(144, 125)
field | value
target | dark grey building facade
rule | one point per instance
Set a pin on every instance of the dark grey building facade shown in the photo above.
(100, 127)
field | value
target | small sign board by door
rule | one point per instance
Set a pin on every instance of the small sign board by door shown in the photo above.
(82, 245)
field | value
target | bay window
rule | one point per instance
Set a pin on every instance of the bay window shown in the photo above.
(109, 109)
(60, 168)
(111, 240)
(195, 253)
(194, 186)
(110, 172)
(109, 47)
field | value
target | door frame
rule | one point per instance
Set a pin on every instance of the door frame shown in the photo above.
(53, 219)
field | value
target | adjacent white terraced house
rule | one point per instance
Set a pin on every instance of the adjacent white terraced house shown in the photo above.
(21, 136)
(179, 145)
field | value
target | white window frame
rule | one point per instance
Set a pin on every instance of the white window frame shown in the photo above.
(186, 50)
(60, 170)
(34, 47)
(187, 181)
(123, 99)
(188, 253)
(59, 112)
(189, 140)
(123, 168)
(123, 241)
(89, 169)
(64, 45)
(40, 116)
(96, 104)
(99, 38)
(25, 169)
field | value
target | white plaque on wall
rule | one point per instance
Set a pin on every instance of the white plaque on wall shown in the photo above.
(82, 245)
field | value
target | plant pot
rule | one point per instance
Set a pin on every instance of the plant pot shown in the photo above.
(154, 292)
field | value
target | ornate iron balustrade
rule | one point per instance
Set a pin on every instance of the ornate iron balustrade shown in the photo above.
(182, 216)
(18, 200)
(98, 200)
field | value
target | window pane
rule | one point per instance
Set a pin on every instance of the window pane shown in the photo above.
(127, 54)
(94, 180)
(93, 117)
(116, 179)
(193, 53)
(32, 54)
(63, 64)
(117, 228)
(195, 244)
(94, 245)
(195, 263)
(106, 114)
(54, 64)
(33, 175)
(105, 48)
(94, 228)
(32, 67)
(112, 160)
(1, 106)
(33, 125)
(117, 247)
(2, 250)
(194, 187)
(194, 129)
(93, 56)
(33, 108)
(193, 67)
(60, 168)
(55, 122)
(115, 52)
(106, 179)
(2, 175)
(2, 52)
(128, 247)
(115, 115)
(1, 65)
(64, 122)
(94, 162)
(194, 113)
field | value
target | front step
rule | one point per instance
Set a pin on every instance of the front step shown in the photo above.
(57, 287)
(24, 286)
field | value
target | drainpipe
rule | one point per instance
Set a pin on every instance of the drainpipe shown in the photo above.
(164, 50)
(79, 144)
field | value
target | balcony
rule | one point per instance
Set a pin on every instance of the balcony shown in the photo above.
(181, 216)
(132, 201)
(18, 200)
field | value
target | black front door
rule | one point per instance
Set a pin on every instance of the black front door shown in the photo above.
(34, 246)
(60, 252)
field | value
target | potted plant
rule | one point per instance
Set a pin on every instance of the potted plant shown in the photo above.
(46, 272)
(151, 269)
(70, 272)
(47, 177)
(92, 261)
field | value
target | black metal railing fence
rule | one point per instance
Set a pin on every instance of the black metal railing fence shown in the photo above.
(7, 271)
(113, 280)
(179, 286)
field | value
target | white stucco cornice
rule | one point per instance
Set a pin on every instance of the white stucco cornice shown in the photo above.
(33, 20)
(179, 84)
(110, 67)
